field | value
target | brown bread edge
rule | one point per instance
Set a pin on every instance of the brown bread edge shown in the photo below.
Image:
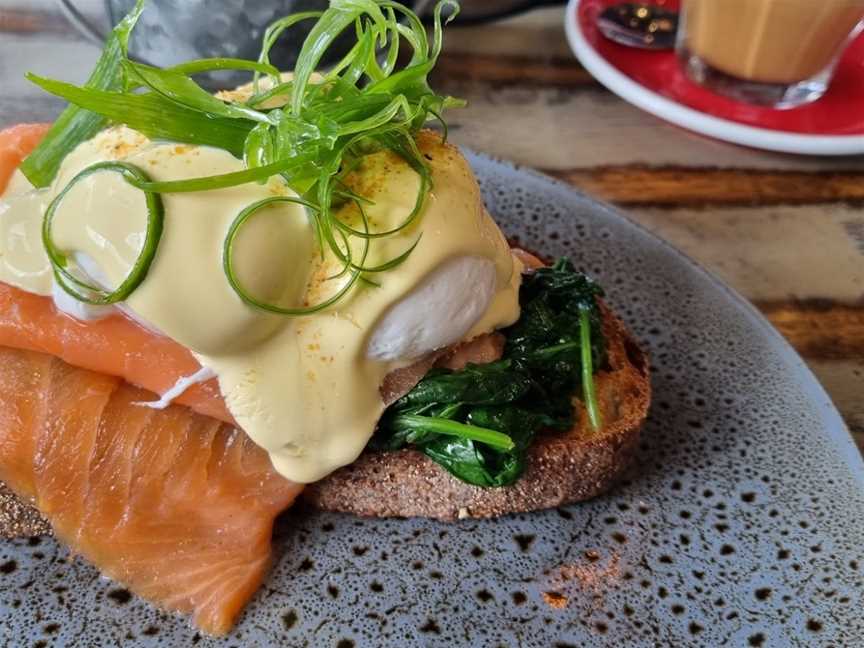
(561, 468)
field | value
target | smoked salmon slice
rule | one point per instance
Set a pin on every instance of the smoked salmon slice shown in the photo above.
(15, 144)
(119, 346)
(116, 346)
(176, 506)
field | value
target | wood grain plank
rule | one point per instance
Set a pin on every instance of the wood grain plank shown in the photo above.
(771, 254)
(820, 329)
(641, 185)
(567, 128)
(844, 381)
(28, 21)
(46, 6)
(522, 70)
(538, 33)
(573, 125)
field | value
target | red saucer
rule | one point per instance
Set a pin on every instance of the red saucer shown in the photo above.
(835, 119)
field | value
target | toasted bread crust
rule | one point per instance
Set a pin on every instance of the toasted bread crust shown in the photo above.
(561, 468)
(17, 519)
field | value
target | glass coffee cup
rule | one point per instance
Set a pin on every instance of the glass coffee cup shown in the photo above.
(778, 53)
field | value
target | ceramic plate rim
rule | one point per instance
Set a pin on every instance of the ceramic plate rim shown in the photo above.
(694, 120)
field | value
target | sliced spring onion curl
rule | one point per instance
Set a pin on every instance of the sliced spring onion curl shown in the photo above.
(329, 121)
(81, 289)
(228, 262)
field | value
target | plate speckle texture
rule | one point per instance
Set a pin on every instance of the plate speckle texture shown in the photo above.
(742, 525)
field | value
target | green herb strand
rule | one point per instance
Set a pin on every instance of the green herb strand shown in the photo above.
(182, 90)
(199, 66)
(150, 114)
(589, 391)
(76, 124)
(87, 292)
(223, 181)
(491, 438)
(230, 273)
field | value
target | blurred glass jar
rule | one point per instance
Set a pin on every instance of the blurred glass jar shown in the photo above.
(779, 53)
(172, 31)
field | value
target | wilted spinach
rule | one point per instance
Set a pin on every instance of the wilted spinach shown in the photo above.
(478, 422)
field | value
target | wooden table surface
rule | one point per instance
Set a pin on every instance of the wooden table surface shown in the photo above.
(787, 232)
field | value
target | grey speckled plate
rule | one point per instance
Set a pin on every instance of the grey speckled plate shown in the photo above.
(742, 525)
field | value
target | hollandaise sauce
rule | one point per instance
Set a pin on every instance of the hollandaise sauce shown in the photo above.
(305, 388)
(301, 235)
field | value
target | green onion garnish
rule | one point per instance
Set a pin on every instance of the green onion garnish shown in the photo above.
(80, 289)
(228, 262)
(76, 124)
(589, 392)
(151, 114)
(323, 124)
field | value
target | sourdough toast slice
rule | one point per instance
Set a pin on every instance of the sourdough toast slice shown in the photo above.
(561, 468)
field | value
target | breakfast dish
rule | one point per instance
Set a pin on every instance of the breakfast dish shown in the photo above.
(722, 504)
(210, 302)
(739, 523)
